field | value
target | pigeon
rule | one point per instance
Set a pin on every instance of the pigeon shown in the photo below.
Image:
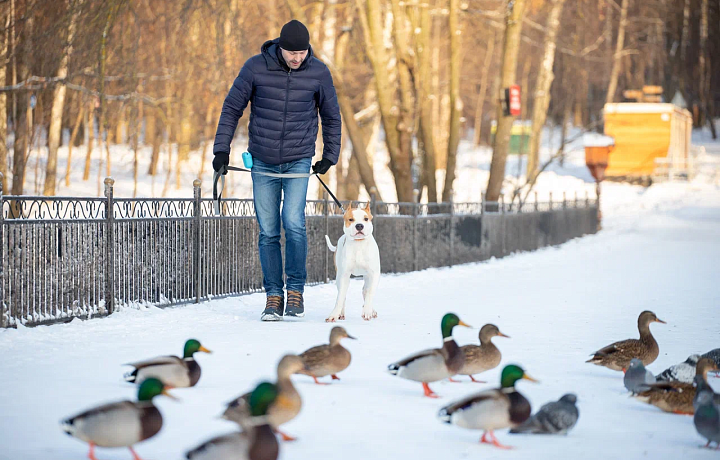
(714, 355)
(707, 419)
(637, 378)
(682, 372)
(557, 417)
(701, 386)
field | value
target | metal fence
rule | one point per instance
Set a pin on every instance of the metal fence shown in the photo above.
(67, 257)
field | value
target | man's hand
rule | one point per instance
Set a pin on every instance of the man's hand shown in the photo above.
(221, 159)
(322, 166)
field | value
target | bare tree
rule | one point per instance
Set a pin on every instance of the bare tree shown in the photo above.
(456, 104)
(482, 93)
(617, 57)
(543, 84)
(513, 27)
(425, 95)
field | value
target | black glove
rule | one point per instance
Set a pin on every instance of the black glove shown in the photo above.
(322, 166)
(221, 159)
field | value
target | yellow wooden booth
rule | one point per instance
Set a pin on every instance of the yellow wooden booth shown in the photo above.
(644, 132)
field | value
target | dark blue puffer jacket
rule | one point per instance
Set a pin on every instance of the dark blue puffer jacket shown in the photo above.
(284, 109)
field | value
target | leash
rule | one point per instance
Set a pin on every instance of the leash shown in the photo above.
(220, 175)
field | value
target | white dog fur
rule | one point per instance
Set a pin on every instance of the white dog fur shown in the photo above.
(356, 254)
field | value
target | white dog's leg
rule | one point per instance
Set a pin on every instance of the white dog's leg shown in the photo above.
(369, 287)
(343, 282)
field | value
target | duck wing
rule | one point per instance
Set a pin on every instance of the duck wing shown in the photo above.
(424, 366)
(229, 446)
(488, 410)
(117, 424)
(157, 361)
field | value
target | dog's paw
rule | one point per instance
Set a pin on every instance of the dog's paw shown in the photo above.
(331, 319)
(342, 318)
(367, 316)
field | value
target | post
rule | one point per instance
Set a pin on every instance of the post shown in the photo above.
(550, 204)
(110, 246)
(587, 199)
(452, 232)
(575, 204)
(326, 213)
(564, 200)
(197, 192)
(373, 195)
(416, 209)
(536, 202)
(3, 323)
(482, 203)
(502, 219)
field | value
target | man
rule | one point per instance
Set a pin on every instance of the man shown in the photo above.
(287, 88)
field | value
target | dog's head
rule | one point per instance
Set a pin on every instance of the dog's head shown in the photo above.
(358, 222)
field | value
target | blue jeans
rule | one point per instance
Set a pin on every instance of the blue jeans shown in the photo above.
(266, 194)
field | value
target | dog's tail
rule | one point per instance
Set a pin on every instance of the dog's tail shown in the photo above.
(329, 244)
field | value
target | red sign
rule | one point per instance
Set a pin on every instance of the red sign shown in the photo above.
(512, 104)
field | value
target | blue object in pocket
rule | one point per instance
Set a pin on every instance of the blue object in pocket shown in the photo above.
(247, 160)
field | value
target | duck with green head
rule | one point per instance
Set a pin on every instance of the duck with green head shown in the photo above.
(491, 410)
(173, 371)
(256, 442)
(120, 424)
(434, 364)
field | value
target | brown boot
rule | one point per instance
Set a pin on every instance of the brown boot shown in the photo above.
(295, 304)
(273, 308)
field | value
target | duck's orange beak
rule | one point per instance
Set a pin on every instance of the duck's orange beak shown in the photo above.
(165, 393)
(463, 323)
(658, 320)
(527, 377)
(204, 350)
(500, 334)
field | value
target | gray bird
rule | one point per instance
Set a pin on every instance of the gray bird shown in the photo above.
(714, 355)
(701, 386)
(707, 419)
(681, 372)
(637, 378)
(557, 417)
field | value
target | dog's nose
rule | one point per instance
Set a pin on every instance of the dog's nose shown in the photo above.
(359, 227)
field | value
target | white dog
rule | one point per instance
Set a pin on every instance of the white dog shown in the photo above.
(356, 254)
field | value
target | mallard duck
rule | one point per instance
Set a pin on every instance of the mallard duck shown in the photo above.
(173, 371)
(557, 417)
(258, 442)
(434, 364)
(286, 407)
(617, 356)
(481, 358)
(676, 397)
(329, 359)
(491, 410)
(119, 424)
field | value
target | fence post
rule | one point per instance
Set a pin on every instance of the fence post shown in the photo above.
(575, 204)
(564, 200)
(502, 218)
(452, 231)
(110, 246)
(587, 199)
(3, 321)
(550, 203)
(197, 191)
(416, 209)
(326, 213)
(482, 203)
(536, 202)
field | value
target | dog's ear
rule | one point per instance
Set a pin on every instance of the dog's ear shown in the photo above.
(367, 210)
(348, 214)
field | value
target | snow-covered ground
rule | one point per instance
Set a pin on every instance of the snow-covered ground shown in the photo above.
(658, 250)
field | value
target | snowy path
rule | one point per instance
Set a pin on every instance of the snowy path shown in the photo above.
(659, 252)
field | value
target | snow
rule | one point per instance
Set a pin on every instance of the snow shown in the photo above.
(658, 250)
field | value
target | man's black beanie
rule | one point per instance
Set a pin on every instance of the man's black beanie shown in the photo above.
(294, 36)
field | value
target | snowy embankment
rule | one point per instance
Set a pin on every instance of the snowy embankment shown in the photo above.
(658, 250)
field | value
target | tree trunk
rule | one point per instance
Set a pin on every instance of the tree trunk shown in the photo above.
(706, 95)
(3, 105)
(372, 25)
(483, 89)
(57, 111)
(22, 130)
(73, 136)
(456, 104)
(425, 132)
(511, 47)
(617, 58)
(90, 134)
(542, 87)
(155, 135)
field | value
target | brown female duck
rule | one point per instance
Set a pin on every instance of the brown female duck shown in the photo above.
(674, 396)
(481, 358)
(286, 406)
(617, 356)
(328, 359)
